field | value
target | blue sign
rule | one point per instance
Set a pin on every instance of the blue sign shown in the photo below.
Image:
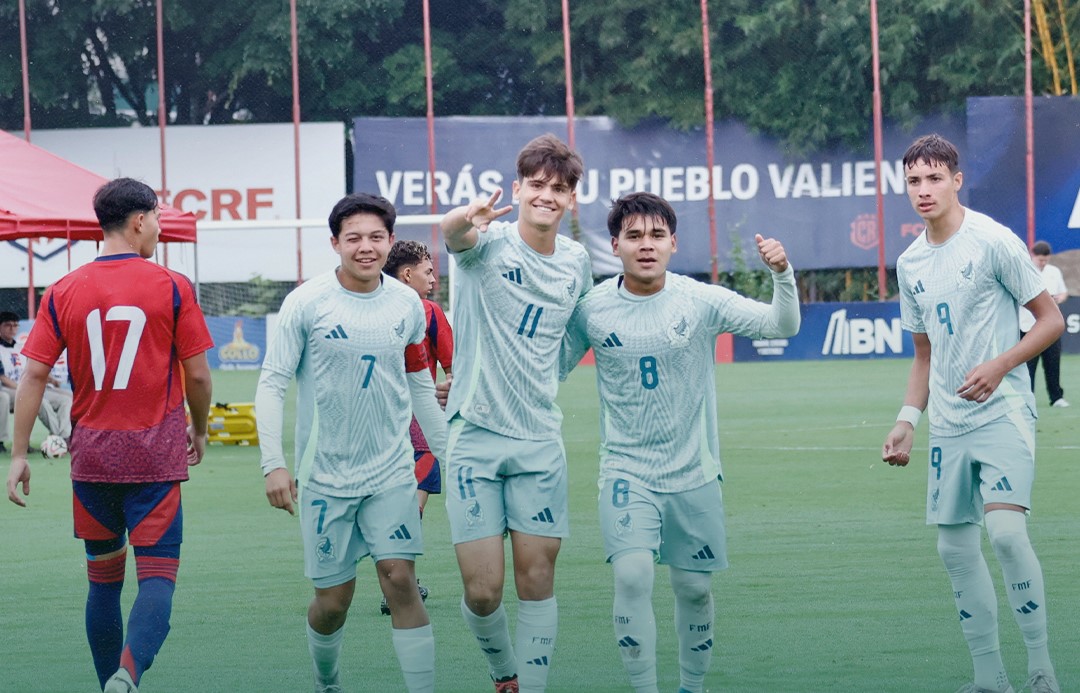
(822, 207)
(240, 342)
(996, 168)
(836, 331)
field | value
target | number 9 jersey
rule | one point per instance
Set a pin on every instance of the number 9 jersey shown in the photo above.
(127, 324)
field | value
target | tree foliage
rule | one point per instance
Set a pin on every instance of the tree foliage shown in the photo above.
(799, 70)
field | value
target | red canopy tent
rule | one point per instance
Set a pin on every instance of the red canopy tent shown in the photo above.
(44, 196)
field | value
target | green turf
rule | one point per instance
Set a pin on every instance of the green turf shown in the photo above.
(835, 583)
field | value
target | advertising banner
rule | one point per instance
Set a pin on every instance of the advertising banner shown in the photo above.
(996, 165)
(1070, 341)
(219, 173)
(833, 331)
(239, 342)
(821, 206)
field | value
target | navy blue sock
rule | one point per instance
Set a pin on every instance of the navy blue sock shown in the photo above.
(148, 622)
(104, 622)
(105, 627)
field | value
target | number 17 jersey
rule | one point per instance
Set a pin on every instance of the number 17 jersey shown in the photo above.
(126, 323)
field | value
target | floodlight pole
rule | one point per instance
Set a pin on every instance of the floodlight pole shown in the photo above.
(879, 196)
(26, 133)
(296, 136)
(429, 85)
(25, 70)
(569, 76)
(567, 68)
(710, 157)
(1029, 127)
(162, 114)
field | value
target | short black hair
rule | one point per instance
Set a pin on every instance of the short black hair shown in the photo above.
(405, 254)
(362, 203)
(641, 204)
(8, 316)
(1041, 248)
(118, 199)
(933, 149)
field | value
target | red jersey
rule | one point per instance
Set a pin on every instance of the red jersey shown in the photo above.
(440, 351)
(126, 323)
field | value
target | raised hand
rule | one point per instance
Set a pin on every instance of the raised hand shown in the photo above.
(482, 212)
(772, 253)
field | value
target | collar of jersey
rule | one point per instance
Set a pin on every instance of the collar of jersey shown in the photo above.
(122, 256)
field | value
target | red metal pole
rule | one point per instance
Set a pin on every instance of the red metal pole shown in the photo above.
(879, 196)
(429, 83)
(296, 135)
(26, 133)
(162, 115)
(25, 70)
(569, 76)
(31, 298)
(710, 157)
(1029, 127)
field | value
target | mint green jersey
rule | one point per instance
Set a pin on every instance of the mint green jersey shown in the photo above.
(512, 304)
(655, 372)
(349, 352)
(963, 294)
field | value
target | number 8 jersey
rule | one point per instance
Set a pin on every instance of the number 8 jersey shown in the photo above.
(127, 324)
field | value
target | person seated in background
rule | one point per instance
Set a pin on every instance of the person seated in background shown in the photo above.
(55, 410)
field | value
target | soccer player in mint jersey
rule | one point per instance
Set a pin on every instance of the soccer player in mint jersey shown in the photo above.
(654, 334)
(136, 342)
(354, 339)
(517, 284)
(961, 282)
(410, 263)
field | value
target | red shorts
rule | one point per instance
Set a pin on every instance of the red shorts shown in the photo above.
(428, 475)
(150, 514)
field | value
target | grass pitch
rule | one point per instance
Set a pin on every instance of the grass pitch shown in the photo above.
(834, 585)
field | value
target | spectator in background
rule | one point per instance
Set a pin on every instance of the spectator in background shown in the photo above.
(55, 410)
(1051, 357)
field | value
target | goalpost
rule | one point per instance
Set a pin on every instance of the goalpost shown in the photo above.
(406, 220)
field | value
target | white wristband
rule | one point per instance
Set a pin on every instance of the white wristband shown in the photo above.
(910, 414)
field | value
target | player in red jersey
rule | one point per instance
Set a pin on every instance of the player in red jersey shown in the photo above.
(128, 326)
(410, 263)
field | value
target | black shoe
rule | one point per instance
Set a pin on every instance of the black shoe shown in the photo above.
(384, 608)
(423, 591)
(3, 448)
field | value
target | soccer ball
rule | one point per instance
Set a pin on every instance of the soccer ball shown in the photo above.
(53, 446)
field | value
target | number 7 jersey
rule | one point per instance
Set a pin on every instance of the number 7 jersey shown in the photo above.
(126, 323)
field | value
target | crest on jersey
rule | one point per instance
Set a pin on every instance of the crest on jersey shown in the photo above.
(965, 278)
(399, 332)
(324, 550)
(474, 514)
(571, 288)
(678, 332)
(624, 524)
